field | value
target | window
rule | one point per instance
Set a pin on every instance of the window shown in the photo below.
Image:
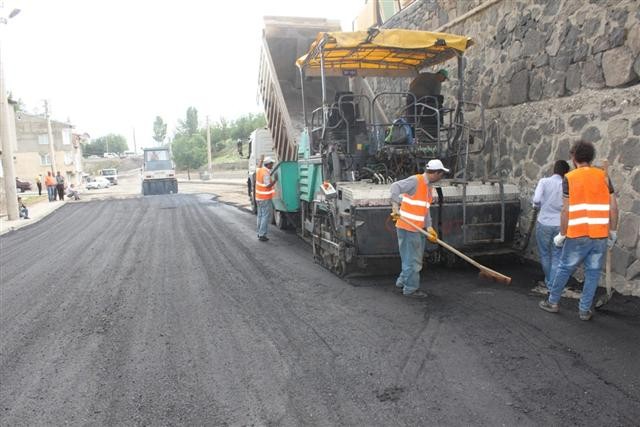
(68, 158)
(66, 136)
(43, 139)
(45, 160)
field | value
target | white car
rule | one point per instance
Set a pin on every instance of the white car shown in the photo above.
(98, 182)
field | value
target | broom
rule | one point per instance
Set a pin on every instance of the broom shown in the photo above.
(485, 272)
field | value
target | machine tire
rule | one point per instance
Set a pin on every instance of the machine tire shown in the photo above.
(252, 196)
(280, 219)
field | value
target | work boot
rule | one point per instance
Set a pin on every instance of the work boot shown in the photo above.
(263, 238)
(585, 315)
(547, 306)
(417, 294)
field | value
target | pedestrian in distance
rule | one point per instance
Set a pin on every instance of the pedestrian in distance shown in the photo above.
(72, 193)
(410, 201)
(50, 183)
(588, 224)
(264, 196)
(547, 198)
(60, 185)
(23, 212)
(39, 184)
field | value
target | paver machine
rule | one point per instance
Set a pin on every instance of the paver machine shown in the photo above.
(357, 141)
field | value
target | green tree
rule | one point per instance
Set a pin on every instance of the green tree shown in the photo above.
(18, 104)
(159, 130)
(189, 126)
(244, 125)
(189, 152)
(111, 143)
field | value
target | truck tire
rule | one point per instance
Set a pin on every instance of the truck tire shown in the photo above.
(280, 219)
(252, 196)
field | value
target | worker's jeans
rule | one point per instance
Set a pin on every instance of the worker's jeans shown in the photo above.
(575, 251)
(549, 253)
(264, 216)
(411, 247)
(51, 192)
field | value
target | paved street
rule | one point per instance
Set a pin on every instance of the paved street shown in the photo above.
(164, 310)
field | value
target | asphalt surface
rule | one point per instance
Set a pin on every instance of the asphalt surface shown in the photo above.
(166, 310)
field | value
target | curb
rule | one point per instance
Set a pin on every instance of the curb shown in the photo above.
(33, 220)
(220, 182)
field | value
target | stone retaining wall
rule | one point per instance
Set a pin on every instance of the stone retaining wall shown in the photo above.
(550, 72)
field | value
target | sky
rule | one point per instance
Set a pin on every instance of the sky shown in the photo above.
(112, 66)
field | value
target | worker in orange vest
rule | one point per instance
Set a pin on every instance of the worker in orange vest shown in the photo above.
(588, 224)
(264, 194)
(410, 200)
(50, 183)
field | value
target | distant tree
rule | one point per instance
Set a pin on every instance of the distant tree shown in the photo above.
(18, 104)
(189, 126)
(243, 126)
(159, 130)
(189, 152)
(111, 143)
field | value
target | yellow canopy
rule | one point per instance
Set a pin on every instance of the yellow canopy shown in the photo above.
(383, 52)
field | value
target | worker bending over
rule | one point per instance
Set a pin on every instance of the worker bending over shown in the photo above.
(588, 224)
(410, 201)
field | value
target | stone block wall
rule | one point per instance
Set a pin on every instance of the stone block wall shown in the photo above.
(549, 72)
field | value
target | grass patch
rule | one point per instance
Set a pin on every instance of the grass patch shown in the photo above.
(32, 200)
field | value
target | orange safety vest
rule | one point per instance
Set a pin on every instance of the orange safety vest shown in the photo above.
(415, 208)
(262, 191)
(588, 203)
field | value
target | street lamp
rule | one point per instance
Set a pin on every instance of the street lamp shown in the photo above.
(5, 137)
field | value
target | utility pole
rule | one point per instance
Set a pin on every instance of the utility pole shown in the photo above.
(135, 148)
(7, 151)
(52, 150)
(209, 144)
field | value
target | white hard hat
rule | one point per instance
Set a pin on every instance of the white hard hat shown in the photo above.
(436, 165)
(267, 160)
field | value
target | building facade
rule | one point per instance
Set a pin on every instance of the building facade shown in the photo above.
(32, 152)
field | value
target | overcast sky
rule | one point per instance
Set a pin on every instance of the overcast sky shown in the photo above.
(113, 65)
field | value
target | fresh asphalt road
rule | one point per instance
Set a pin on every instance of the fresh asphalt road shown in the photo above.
(167, 310)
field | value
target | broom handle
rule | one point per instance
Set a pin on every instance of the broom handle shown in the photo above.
(460, 254)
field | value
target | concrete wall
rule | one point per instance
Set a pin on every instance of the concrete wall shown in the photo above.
(550, 72)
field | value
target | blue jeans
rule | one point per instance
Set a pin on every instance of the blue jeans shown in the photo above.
(51, 192)
(411, 245)
(264, 216)
(549, 253)
(582, 249)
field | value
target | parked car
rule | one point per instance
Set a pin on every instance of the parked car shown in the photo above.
(110, 155)
(23, 185)
(97, 182)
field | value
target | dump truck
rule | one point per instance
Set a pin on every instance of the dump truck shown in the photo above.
(260, 145)
(110, 174)
(336, 161)
(158, 172)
